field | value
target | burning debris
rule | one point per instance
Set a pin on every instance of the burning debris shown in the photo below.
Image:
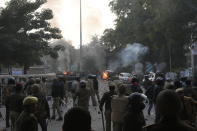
(104, 75)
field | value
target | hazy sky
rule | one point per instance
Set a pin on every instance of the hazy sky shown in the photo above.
(96, 17)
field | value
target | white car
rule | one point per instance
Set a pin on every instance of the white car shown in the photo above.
(126, 77)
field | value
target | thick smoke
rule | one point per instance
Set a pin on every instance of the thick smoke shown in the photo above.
(93, 56)
(66, 57)
(128, 56)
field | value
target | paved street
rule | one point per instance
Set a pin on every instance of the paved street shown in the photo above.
(96, 116)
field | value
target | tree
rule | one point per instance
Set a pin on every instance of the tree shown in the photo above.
(165, 26)
(25, 33)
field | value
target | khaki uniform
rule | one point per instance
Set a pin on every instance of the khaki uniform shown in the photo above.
(90, 87)
(75, 87)
(119, 109)
(189, 111)
(42, 110)
(83, 97)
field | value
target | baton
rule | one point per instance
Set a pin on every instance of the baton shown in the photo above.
(103, 120)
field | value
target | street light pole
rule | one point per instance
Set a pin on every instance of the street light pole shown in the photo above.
(194, 62)
(80, 59)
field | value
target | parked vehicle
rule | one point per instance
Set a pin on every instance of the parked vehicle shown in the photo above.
(125, 77)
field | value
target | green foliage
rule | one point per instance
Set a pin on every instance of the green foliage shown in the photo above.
(25, 33)
(165, 26)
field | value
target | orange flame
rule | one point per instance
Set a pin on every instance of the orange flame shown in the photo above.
(104, 75)
(65, 73)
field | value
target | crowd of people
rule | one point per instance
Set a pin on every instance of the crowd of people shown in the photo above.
(172, 102)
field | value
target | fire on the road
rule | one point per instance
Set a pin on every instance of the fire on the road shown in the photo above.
(65, 73)
(104, 75)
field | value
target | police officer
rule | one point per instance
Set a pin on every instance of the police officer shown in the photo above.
(28, 85)
(58, 94)
(90, 87)
(9, 90)
(119, 107)
(96, 87)
(106, 99)
(83, 96)
(27, 121)
(75, 87)
(15, 103)
(41, 84)
(42, 111)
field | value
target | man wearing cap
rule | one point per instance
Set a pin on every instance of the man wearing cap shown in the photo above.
(27, 120)
(42, 109)
(83, 96)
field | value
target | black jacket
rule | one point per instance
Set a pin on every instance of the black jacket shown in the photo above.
(106, 99)
(133, 121)
(58, 89)
(170, 125)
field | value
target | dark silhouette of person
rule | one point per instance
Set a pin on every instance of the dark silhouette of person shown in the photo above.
(77, 119)
(168, 106)
(134, 119)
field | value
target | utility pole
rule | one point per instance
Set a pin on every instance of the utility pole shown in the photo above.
(81, 53)
(194, 62)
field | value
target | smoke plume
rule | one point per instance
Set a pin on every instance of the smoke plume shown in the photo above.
(93, 56)
(128, 56)
(66, 57)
